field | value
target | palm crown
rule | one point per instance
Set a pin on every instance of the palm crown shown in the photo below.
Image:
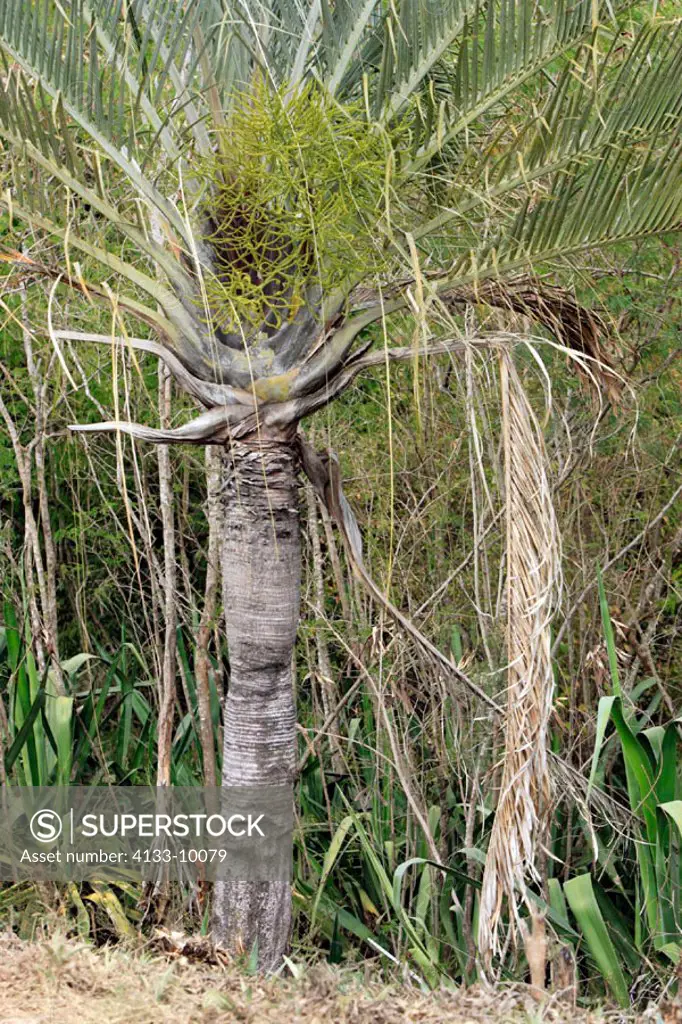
(242, 168)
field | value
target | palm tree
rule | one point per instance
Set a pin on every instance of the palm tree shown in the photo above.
(262, 182)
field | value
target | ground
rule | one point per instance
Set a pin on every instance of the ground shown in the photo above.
(58, 981)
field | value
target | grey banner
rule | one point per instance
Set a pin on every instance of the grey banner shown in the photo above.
(113, 833)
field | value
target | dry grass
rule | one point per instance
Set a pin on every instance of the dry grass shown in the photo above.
(59, 981)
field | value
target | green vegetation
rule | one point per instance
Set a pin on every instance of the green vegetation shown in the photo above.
(462, 222)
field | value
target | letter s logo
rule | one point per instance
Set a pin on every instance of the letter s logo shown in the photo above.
(46, 826)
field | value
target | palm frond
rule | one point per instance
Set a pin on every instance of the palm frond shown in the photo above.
(577, 328)
(582, 117)
(41, 141)
(533, 588)
(628, 194)
(271, 37)
(30, 267)
(30, 204)
(344, 26)
(100, 64)
(415, 37)
(502, 46)
(600, 162)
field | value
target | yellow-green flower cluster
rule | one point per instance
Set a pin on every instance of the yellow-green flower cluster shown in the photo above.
(297, 189)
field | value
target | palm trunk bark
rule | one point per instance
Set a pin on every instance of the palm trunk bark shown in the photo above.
(261, 561)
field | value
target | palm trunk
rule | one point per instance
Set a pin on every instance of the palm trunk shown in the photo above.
(261, 560)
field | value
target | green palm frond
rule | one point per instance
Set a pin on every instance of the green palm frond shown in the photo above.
(634, 96)
(507, 135)
(44, 149)
(502, 46)
(108, 60)
(575, 176)
(416, 36)
(343, 29)
(627, 194)
(272, 38)
(103, 77)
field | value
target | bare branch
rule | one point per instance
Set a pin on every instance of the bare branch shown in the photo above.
(612, 561)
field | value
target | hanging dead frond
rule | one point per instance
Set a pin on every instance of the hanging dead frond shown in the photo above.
(577, 328)
(533, 582)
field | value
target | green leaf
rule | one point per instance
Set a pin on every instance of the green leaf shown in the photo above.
(336, 945)
(573, 178)
(608, 635)
(24, 735)
(59, 711)
(52, 52)
(557, 900)
(674, 811)
(330, 857)
(73, 665)
(604, 709)
(585, 909)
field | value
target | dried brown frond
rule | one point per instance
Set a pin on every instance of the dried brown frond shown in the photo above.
(533, 580)
(574, 326)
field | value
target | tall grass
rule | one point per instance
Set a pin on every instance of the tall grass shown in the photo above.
(366, 882)
(104, 731)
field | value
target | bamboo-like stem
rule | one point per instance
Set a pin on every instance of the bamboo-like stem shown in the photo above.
(167, 681)
(49, 592)
(33, 557)
(327, 686)
(202, 662)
